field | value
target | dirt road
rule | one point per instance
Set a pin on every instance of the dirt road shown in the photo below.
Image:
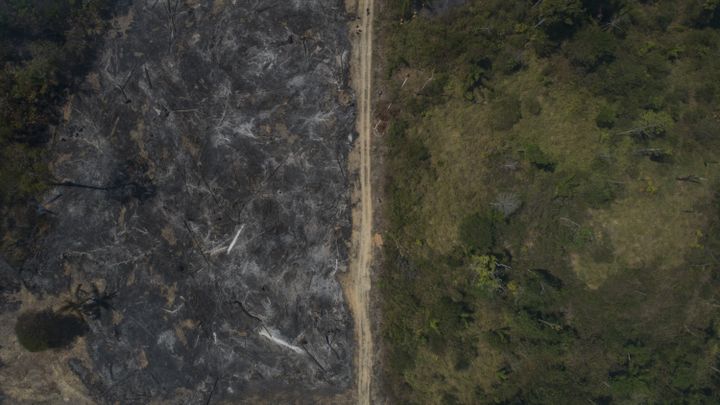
(359, 288)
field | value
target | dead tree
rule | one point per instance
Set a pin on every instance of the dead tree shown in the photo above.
(507, 203)
(89, 304)
(690, 178)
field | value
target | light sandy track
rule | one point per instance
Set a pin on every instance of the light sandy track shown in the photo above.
(359, 288)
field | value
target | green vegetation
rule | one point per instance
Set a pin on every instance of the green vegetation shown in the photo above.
(44, 46)
(553, 202)
(38, 331)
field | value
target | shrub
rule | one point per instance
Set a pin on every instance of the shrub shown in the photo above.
(396, 132)
(704, 13)
(560, 17)
(701, 126)
(505, 113)
(598, 194)
(602, 253)
(477, 74)
(533, 106)
(632, 81)
(542, 44)
(707, 93)
(477, 233)
(416, 151)
(606, 117)
(591, 47)
(652, 125)
(511, 61)
(484, 270)
(38, 331)
(538, 158)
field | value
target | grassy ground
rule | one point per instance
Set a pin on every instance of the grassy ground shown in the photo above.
(553, 202)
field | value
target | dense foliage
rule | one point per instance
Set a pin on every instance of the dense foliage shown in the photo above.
(553, 205)
(44, 46)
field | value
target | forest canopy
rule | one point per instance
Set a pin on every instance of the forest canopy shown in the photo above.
(553, 205)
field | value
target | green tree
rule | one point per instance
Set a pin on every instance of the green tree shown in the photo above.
(538, 158)
(606, 117)
(505, 113)
(704, 13)
(591, 47)
(477, 233)
(560, 18)
(651, 125)
(485, 277)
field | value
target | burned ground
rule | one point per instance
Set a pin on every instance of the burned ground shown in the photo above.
(201, 174)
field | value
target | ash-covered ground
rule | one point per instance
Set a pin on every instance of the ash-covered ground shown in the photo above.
(202, 174)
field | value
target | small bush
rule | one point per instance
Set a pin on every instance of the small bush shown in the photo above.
(701, 126)
(38, 331)
(478, 73)
(632, 82)
(602, 253)
(511, 61)
(707, 93)
(477, 233)
(591, 47)
(652, 125)
(701, 14)
(396, 132)
(598, 194)
(484, 269)
(416, 151)
(560, 17)
(505, 113)
(606, 117)
(533, 106)
(539, 159)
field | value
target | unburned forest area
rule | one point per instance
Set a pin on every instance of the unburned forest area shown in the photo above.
(552, 226)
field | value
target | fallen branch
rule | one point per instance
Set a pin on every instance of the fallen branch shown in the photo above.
(212, 391)
(690, 178)
(242, 308)
(196, 244)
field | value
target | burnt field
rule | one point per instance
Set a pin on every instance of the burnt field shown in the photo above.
(198, 212)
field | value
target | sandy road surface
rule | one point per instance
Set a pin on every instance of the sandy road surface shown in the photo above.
(358, 290)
